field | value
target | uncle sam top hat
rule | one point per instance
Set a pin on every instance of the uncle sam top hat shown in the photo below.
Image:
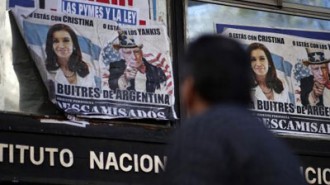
(315, 56)
(126, 41)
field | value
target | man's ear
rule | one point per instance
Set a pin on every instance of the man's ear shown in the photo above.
(188, 94)
(191, 100)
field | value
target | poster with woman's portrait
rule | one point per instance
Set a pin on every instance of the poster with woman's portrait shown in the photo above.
(290, 77)
(96, 68)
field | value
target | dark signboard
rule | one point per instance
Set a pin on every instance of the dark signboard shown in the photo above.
(76, 160)
(316, 169)
(32, 151)
(35, 152)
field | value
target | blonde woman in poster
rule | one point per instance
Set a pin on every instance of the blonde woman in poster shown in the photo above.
(65, 59)
(266, 84)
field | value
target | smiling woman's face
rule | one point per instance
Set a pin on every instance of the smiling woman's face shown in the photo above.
(62, 44)
(259, 62)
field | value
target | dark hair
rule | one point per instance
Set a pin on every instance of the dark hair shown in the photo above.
(220, 69)
(272, 81)
(75, 64)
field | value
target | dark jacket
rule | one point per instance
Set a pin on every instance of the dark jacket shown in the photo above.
(155, 76)
(306, 86)
(227, 146)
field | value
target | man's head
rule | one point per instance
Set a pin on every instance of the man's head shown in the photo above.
(132, 56)
(129, 50)
(320, 72)
(318, 65)
(217, 70)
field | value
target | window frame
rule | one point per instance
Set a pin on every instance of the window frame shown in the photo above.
(275, 6)
(313, 12)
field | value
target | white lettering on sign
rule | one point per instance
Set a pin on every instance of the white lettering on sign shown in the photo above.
(62, 157)
(69, 162)
(127, 162)
(317, 175)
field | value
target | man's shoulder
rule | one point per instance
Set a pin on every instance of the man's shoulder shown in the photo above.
(149, 65)
(229, 112)
(231, 137)
(223, 118)
(227, 122)
(154, 70)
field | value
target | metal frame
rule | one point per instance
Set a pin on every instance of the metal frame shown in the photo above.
(276, 6)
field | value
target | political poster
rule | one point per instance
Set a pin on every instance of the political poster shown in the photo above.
(290, 72)
(97, 68)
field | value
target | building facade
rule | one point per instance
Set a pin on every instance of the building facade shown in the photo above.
(63, 124)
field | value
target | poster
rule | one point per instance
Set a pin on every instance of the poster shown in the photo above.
(97, 68)
(291, 82)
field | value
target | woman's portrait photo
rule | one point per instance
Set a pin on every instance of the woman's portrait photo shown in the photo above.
(64, 57)
(266, 84)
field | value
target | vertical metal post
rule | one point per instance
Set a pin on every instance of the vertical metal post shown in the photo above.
(41, 4)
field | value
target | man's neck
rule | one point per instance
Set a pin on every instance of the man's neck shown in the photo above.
(199, 106)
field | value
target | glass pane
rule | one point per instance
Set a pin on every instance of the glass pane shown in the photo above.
(9, 88)
(21, 86)
(202, 16)
(319, 3)
(284, 49)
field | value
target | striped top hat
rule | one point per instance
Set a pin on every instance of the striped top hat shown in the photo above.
(315, 56)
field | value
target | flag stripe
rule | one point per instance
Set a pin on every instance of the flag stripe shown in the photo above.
(161, 62)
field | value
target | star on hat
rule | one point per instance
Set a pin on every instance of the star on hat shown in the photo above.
(315, 56)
